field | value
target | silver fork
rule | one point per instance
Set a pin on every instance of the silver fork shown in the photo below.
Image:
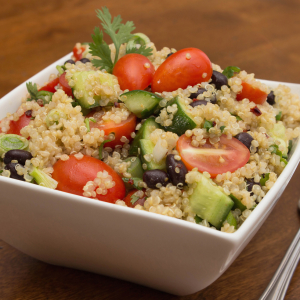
(279, 284)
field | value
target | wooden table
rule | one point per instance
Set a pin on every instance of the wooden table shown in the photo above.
(258, 36)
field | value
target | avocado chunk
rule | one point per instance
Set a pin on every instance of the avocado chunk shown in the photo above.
(209, 202)
(144, 133)
(181, 121)
(93, 86)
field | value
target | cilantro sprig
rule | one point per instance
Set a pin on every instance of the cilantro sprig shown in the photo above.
(119, 33)
(35, 94)
(134, 181)
(101, 148)
(208, 125)
(230, 71)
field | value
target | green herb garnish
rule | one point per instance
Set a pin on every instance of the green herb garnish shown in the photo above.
(237, 117)
(134, 181)
(278, 117)
(290, 146)
(229, 71)
(198, 219)
(264, 179)
(222, 128)
(134, 198)
(119, 33)
(208, 124)
(101, 148)
(87, 123)
(45, 96)
(60, 69)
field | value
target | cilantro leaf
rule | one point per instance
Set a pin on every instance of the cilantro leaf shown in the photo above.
(142, 50)
(134, 181)
(222, 128)
(32, 90)
(101, 148)
(134, 198)
(264, 179)
(207, 125)
(238, 118)
(119, 33)
(229, 71)
(100, 49)
(278, 117)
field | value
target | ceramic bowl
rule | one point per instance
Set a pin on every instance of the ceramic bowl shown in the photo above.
(160, 252)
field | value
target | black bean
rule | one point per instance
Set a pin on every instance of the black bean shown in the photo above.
(13, 172)
(70, 61)
(271, 98)
(249, 185)
(200, 91)
(20, 155)
(85, 60)
(218, 79)
(28, 113)
(198, 102)
(154, 177)
(245, 138)
(170, 54)
(177, 178)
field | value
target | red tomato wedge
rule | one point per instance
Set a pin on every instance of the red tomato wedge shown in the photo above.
(65, 85)
(134, 72)
(50, 87)
(253, 94)
(73, 174)
(185, 67)
(226, 155)
(77, 52)
(125, 128)
(16, 126)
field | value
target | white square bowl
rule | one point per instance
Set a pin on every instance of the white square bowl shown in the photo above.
(160, 252)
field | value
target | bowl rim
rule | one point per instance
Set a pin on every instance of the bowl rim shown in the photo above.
(257, 215)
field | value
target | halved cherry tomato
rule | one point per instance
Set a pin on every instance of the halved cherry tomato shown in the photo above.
(78, 52)
(125, 128)
(16, 126)
(65, 85)
(73, 174)
(128, 199)
(134, 72)
(186, 67)
(226, 155)
(50, 87)
(253, 94)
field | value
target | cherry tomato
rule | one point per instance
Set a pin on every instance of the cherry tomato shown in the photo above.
(186, 67)
(50, 87)
(253, 94)
(16, 126)
(73, 174)
(128, 199)
(125, 128)
(226, 155)
(78, 52)
(134, 72)
(65, 85)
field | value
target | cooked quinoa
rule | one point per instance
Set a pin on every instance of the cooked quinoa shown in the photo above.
(59, 129)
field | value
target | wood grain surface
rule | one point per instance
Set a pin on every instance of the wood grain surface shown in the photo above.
(259, 36)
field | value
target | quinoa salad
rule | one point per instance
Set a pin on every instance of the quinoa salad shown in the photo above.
(163, 131)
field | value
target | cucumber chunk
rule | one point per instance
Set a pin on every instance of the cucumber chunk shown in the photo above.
(237, 203)
(181, 121)
(135, 169)
(83, 90)
(147, 147)
(141, 103)
(231, 220)
(210, 203)
(144, 133)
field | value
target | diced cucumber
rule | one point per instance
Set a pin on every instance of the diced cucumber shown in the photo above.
(237, 203)
(82, 90)
(141, 103)
(181, 121)
(144, 133)
(231, 220)
(210, 203)
(147, 147)
(135, 169)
